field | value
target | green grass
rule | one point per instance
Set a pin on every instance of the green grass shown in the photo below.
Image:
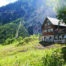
(25, 54)
(30, 57)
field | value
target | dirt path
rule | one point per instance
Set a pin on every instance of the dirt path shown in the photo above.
(23, 51)
(45, 47)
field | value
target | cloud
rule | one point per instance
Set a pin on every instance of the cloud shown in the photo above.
(11, 0)
(5, 2)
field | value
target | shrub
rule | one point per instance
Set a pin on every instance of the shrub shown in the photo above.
(9, 41)
(53, 60)
(27, 40)
(19, 39)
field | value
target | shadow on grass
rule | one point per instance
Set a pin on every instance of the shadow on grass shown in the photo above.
(49, 43)
(64, 53)
(46, 43)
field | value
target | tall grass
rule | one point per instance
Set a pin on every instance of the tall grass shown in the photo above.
(34, 58)
(22, 52)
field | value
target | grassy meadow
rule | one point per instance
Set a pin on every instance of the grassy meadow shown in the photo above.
(30, 52)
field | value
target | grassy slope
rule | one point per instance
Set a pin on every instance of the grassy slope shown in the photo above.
(24, 55)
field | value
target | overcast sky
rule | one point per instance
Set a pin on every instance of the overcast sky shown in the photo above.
(5, 2)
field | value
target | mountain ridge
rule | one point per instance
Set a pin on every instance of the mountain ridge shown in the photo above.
(31, 12)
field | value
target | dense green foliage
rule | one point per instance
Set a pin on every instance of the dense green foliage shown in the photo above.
(9, 31)
(62, 14)
(61, 10)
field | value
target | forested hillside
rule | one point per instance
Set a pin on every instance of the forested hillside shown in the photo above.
(29, 11)
(12, 30)
(26, 11)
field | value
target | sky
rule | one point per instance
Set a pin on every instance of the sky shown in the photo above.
(5, 2)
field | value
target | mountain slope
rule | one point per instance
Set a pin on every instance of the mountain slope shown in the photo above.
(33, 13)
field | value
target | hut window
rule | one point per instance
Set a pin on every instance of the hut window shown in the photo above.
(50, 30)
(45, 24)
(45, 31)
